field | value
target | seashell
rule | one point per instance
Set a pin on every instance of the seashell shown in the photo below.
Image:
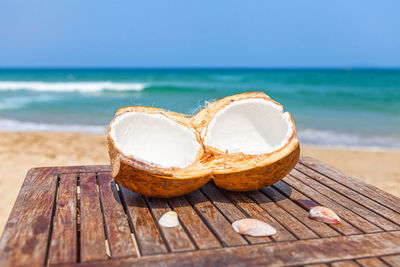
(323, 214)
(253, 227)
(169, 219)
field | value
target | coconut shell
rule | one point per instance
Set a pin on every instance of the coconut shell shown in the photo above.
(151, 180)
(231, 171)
(240, 172)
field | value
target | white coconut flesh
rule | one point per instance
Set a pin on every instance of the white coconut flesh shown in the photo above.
(154, 138)
(250, 126)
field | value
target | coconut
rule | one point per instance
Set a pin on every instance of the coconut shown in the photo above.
(253, 142)
(244, 142)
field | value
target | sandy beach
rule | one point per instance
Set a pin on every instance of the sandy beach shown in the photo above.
(21, 151)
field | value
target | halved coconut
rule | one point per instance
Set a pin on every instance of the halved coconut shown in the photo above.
(244, 142)
(252, 141)
(155, 152)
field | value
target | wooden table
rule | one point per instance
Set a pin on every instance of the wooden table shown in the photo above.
(79, 216)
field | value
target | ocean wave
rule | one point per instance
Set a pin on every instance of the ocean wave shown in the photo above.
(9, 125)
(330, 138)
(17, 102)
(71, 86)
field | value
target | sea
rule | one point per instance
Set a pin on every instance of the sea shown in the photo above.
(332, 107)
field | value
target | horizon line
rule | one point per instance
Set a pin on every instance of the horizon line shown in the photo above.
(190, 68)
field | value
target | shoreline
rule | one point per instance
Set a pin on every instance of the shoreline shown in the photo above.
(351, 148)
(21, 151)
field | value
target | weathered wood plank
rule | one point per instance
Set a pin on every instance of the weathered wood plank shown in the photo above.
(316, 265)
(229, 210)
(63, 247)
(25, 237)
(116, 222)
(342, 211)
(147, 235)
(349, 263)
(300, 252)
(384, 198)
(346, 196)
(284, 202)
(221, 227)
(282, 216)
(371, 262)
(176, 237)
(92, 229)
(83, 169)
(393, 260)
(197, 229)
(344, 227)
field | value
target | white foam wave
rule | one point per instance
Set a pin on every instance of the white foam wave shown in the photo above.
(71, 86)
(330, 138)
(17, 102)
(25, 126)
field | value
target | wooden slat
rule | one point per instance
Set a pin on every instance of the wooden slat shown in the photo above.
(229, 210)
(300, 252)
(92, 229)
(321, 229)
(116, 222)
(344, 264)
(176, 237)
(346, 197)
(343, 212)
(63, 247)
(25, 237)
(148, 238)
(344, 227)
(197, 229)
(316, 265)
(384, 198)
(393, 260)
(220, 226)
(283, 217)
(371, 262)
(83, 169)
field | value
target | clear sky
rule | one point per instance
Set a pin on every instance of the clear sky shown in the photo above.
(187, 33)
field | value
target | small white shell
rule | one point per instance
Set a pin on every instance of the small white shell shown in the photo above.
(169, 219)
(323, 214)
(253, 227)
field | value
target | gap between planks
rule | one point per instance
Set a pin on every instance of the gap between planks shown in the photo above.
(106, 233)
(123, 203)
(53, 214)
(78, 218)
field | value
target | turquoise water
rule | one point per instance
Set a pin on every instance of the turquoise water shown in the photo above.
(332, 107)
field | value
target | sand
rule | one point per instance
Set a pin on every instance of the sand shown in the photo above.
(21, 151)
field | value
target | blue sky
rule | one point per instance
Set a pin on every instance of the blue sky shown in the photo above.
(226, 33)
